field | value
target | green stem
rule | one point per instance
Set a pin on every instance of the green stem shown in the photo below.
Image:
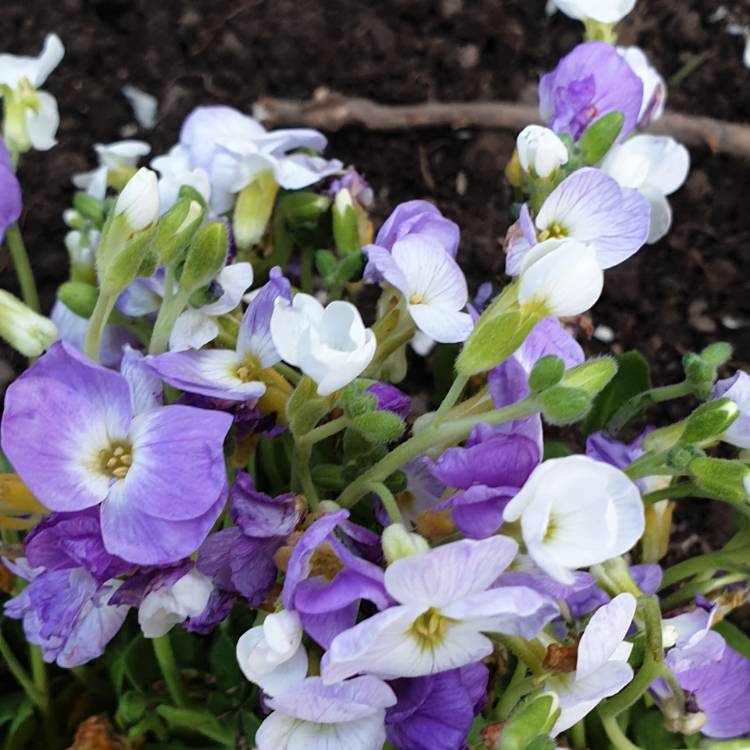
(523, 650)
(389, 502)
(725, 559)
(21, 263)
(649, 671)
(288, 372)
(301, 470)
(616, 736)
(691, 590)
(324, 431)
(452, 431)
(633, 407)
(450, 399)
(171, 307)
(169, 670)
(683, 489)
(21, 675)
(577, 734)
(516, 689)
(102, 310)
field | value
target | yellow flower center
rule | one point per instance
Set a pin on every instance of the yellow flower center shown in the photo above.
(430, 629)
(117, 460)
(325, 562)
(417, 299)
(553, 232)
(249, 369)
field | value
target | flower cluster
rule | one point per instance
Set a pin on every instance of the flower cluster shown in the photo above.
(211, 442)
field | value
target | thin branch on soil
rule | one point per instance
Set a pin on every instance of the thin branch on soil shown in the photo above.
(330, 111)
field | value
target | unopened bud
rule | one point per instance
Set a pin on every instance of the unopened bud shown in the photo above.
(25, 330)
(398, 543)
(175, 230)
(345, 224)
(547, 371)
(253, 210)
(540, 151)
(560, 405)
(205, 256)
(138, 202)
(531, 718)
(78, 297)
(592, 376)
(729, 480)
(709, 421)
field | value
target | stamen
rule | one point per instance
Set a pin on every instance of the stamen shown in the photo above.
(417, 299)
(430, 629)
(116, 461)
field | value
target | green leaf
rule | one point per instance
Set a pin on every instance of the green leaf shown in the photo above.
(734, 637)
(223, 661)
(651, 734)
(542, 742)
(22, 728)
(198, 721)
(555, 449)
(140, 666)
(600, 137)
(633, 377)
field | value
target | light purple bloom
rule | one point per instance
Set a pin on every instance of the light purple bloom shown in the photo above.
(737, 389)
(347, 716)
(436, 712)
(357, 186)
(65, 612)
(445, 604)
(228, 374)
(74, 434)
(240, 559)
(390, 398)
(588, 83)
(10, 192)
(325, 581)
(590, 207)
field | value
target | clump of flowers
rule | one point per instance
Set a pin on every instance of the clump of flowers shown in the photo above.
(223, 509)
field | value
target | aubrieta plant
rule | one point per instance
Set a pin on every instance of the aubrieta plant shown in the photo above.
(222, 515)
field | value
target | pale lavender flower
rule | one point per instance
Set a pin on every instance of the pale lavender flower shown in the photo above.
(357, 186)
(233, 375)
(588, 83)
(588, 206)
(74, 434)
(10, 192)
(445, 604)
(436, 712)
(737, 389)
(312, 715)
(390, 398)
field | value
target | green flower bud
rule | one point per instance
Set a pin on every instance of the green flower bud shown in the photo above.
(328, 477)
(560, 405)
(547, 371)
(592, 376)
(399, 543)
(326, 262)
(681, 456)
(175, 230)
(717, 354)
(253, 210)
(356, 401)
(532, 718)
(729, 480)
(305, 408)
(25, 330)
(709, 421)
(345, 224)
(665, 438)
(89, 208)
(78, 297)
(131, 708)
(205, 256)
(700, 374)
(379, 427)
(599, 137)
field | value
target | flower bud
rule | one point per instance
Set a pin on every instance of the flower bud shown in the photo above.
(561, 406)
(253, 210)
(592, 376)
(78, 297)
(398, 542)
(533, 717)
(709, 421)
(345, 224)
(540, 151)
(138, 202)
(25, 330)
(729, 480)
(547, 371)
(175, 230)
(205, 256)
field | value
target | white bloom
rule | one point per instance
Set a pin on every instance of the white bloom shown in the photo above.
(562, 276)
(654, 86)
(576, 512)
(737, 389)
(145, 106)
(171, 605)
(603, 11)
(176, 171)
(540, 150)
(16, 68)
(271, 655)
(25, 330)
(139, 200)
(654, 165)
(122, 155)
(331, 345)
(602, 668)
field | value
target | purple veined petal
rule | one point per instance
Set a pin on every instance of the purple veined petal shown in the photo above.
(390, 398)
(448, 573)
(648, 577)
(217, 610)
(423, 218)
(260, 515)
(736, 388)
(10, 192)
(383, 266)
(255, 330)
(58, 416)
(140, 538)
(253, 571)
(178, 462)
(548, 337)
(139, 585)
(142, 296)
(317, 596)
(214, 557)
(146, 393)
(478, 511)
(324, 627)
(298, 171)
(209, 372)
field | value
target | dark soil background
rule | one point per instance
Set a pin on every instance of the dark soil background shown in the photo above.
(678, 296)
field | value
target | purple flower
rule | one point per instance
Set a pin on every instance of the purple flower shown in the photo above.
(589, 83)
(489, 471)
(235, 375)
(357, 186)
(10, 192)
(390, 398)
(436, 712)
(325, 581)
(240, 558)
(75, 434)
(65, 612)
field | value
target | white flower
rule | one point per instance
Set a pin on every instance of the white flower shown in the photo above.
(563, 277)
(576, 512)
(331, 345)
(445, 603)
(602, 667)
(603, 11)
(139, 200)
(176, 171)
(654, 86)
(540, 150)
(654, 165)
(25, 330)
(271, 655)
(122, 155)
(171, 605)
(31, 116)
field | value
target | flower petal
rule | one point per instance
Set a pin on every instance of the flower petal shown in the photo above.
(605, 632)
